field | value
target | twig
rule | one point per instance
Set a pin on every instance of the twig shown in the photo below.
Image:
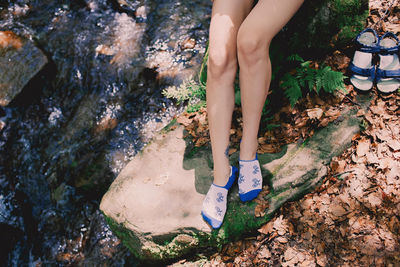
(260, 243)
(338, 174)
(348, 98)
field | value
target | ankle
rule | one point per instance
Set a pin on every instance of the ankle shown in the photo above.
(248, 150)
(221, 175)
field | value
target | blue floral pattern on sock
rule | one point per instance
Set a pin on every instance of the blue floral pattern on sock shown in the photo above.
(241, 191)
(219, 211)
(256, 182)
(241, 178)
(220, 197)
(255, 169)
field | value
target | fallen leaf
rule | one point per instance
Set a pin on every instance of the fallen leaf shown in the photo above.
(266, 228)
(185, 121)
(259, 210)
(394, 145)
(363, 147)
(374, 199)
(264, 253)
(315, 113)
(290, 253)
(9, 39)
(337, 210)
(360, 113)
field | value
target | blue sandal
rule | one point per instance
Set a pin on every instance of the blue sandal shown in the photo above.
(388, 71)
(363, 70)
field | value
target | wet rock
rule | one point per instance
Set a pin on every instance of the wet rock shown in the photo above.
(154, 204)
(20, 60)
(188, 44)
(95, 107)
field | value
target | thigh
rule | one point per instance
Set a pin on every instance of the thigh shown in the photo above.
(268, 17)
(226, 18)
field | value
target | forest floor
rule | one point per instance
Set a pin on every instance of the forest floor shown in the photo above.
(353, 217)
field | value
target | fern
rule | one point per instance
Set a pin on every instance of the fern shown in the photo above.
(307, 78)
(196, 107)
(189, 90)
(293, 89)
(295, 57)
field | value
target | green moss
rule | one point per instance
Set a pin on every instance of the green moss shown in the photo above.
(127, 237)
(240, 221)
(168, 127)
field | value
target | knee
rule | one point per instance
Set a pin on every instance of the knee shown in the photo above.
(251, 48)
(221, 62)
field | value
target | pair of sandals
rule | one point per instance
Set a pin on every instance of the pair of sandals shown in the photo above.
(365, 72)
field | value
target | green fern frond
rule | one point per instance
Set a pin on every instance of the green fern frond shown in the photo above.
(295, 57)
(308, 78)
(293, 89)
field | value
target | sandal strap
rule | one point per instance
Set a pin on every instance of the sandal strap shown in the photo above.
(390, 50)
(380, 73)
(367, 48)
(363, 72)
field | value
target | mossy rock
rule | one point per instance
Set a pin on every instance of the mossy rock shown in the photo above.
(154, 204)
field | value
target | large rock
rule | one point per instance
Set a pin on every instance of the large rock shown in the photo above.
(154, 204)
(20, 60)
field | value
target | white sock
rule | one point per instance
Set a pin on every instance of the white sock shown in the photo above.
(250, 179)
(214, 204)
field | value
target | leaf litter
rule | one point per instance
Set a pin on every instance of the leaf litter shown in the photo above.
(353, 217)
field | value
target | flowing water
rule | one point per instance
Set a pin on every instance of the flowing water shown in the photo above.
(84, 116)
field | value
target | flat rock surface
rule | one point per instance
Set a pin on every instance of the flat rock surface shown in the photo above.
(20, 60)
(155, 193)
(154, 204)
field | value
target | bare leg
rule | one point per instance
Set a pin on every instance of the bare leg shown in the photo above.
(254, 37)
(227, 15)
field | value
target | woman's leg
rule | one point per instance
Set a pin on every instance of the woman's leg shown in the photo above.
(254, 37)
(227, 15)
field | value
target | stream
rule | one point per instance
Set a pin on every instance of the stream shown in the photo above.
(84, 116)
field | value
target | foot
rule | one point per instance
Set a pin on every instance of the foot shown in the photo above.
(250, 179)
(214, 204)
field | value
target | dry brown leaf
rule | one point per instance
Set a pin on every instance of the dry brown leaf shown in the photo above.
(372, 158)
(290, 254)
(337, 210)
(394, 145)
(267, 228)
(369, 118)
(185, 121)
(378, 109)
(334, 113)
(259, 210)
(269, 148)
(374, 199)
(281, 225)
(314, 113)
(9, 39)
(363, 147)
(324, 122)
(360, 113)
(384, 135)
(338, 166)
(264, 253)
(281, 239)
